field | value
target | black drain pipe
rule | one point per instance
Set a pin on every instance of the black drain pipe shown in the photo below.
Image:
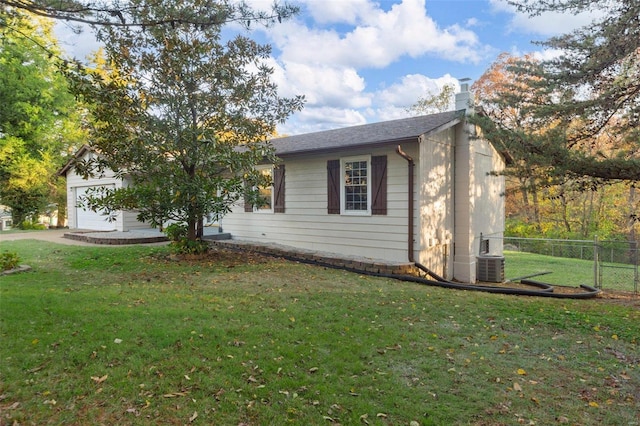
(411, 165)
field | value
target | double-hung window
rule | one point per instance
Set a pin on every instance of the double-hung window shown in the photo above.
(265, 192)
(271, 198)
(356, 185)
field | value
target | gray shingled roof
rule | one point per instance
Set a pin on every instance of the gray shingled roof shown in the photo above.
(381, 133)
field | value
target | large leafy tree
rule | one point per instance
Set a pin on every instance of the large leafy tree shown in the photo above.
(501, 99)
(183, 114)
(591, 90)
(124, 13)
(542, 200)
(38, 116)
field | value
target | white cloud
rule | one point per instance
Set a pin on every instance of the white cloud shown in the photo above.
(412, 87)
(551, 24)
(547, 54)
(547, 24)
(327, 85)
(339, 11)
(321, 118)
(379, 39)
(472, 22)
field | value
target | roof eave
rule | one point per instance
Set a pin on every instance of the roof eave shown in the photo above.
(379, 144)
(64, 169)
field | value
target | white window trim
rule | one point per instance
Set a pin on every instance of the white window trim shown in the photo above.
(343, 210)
(257, 209)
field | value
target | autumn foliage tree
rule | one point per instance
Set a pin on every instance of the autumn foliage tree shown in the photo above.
(39, 119)
(542, 199)
(591, 89)
(183, 115)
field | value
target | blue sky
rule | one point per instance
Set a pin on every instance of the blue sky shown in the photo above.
(363, 61)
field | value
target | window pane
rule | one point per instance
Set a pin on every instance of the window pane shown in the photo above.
(265, 192)
(355, 185)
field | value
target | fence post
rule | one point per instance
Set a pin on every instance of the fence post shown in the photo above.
(596, 282)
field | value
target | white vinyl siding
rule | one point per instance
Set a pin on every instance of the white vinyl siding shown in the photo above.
(306, 224)
(434, 233)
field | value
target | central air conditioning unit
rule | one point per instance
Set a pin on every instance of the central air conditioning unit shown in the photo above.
(490, 269)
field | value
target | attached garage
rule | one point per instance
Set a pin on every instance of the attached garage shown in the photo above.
(77, 187)
(88, 219)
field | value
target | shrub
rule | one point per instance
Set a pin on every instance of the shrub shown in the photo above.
(180, 244)
(27, 225)
(176, 231)
(185, 246)
(9, 260)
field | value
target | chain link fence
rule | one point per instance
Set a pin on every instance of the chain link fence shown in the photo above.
(608, 265)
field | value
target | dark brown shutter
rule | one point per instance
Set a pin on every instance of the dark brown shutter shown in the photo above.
(333, 187)
(248, 207)
(278, 189)
(379, 185)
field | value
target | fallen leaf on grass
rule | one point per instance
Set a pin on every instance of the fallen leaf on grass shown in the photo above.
(593, 404)
(99, 380)
(174, 394)
(522, 372)
(193, 417)
(133, 411)
(219, 394)
(38, 368)
(517, 387)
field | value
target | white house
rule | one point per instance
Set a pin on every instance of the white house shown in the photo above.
(347, 191)
(6, 221)
(421, 189)
(85, 219)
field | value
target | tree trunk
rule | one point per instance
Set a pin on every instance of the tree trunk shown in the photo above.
(200, 228)
(62, 215)
(191, 229)
(525, 197)
(536, 205)
(565, 219)
(633, 243)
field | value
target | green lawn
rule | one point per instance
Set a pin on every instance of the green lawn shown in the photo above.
(122, 335)
(567, 271)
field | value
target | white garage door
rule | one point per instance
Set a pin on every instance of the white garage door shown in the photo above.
(87, 219)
